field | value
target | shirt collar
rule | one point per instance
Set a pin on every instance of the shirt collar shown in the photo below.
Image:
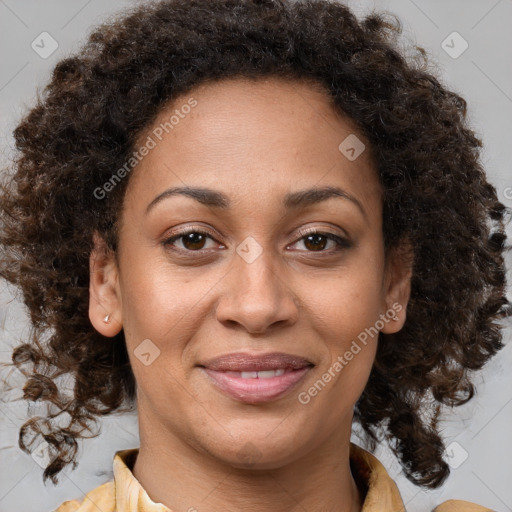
(377, 487)
(130, 495)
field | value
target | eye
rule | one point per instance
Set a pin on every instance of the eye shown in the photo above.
(316, 241)
(194, 240)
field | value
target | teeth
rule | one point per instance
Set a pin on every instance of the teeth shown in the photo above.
(266, 374)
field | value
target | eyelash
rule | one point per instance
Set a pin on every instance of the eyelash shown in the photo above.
(342, 243)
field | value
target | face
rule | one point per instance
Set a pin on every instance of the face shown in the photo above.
(255, 262)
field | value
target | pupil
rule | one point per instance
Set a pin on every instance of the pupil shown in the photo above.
(192, 239)
(315, 239)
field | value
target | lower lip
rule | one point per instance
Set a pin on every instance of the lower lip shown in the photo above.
(257, 390)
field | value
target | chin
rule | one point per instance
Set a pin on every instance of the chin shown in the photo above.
(265, 453)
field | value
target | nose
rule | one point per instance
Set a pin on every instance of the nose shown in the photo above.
(256, 296)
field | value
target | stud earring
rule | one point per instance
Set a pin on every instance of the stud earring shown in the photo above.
(395, 318)
(107, 319)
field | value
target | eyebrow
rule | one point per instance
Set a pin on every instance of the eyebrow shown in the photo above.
(293, 200)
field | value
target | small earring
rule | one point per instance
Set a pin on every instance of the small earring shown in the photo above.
(395, 318)
(107, 319)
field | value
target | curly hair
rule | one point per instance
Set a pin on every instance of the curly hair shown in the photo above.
(436, 196)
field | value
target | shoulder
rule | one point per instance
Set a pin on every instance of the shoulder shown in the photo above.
(460, 506)
(101, 498)
(381, 492)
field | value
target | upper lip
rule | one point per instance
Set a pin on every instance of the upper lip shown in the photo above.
(245, 362)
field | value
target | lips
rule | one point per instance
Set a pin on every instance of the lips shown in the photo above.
(244, 362)
(256, 390)
(256, 378)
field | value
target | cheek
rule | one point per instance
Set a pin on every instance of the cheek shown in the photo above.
(345, 322)
(161, 301)
(348, 301)
(344, 312)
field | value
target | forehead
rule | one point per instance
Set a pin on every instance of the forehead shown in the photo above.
(263, 136)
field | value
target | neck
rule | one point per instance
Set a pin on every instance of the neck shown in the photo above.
(184, 478)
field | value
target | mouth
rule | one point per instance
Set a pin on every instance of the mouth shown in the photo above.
(245, 362)
(256, 378)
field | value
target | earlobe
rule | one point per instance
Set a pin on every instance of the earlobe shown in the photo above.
(104, 294)
(398, 286)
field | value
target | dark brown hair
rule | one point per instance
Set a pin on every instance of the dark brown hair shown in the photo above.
(100, 99)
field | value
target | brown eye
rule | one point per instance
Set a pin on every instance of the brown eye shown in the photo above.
(317, 241)
(193, 241)
(314, 241)
(190, 240)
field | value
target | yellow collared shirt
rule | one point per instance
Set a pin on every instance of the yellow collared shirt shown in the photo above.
(125, 494)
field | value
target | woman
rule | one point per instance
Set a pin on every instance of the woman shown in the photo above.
(256, 222)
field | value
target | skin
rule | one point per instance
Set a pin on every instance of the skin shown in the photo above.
(254, 141)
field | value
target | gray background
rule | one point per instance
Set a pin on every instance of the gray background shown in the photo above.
(481, 452)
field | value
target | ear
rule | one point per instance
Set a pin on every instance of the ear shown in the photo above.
(104, 293)
(397, 286)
